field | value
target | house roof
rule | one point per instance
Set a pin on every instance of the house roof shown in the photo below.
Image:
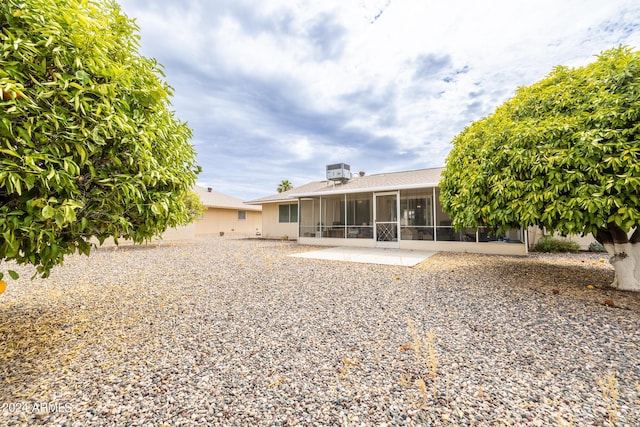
(214, 199)
(376, 182)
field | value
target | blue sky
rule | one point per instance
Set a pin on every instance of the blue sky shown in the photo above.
(278, 89)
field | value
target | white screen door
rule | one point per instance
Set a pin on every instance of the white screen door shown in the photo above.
(386, 220)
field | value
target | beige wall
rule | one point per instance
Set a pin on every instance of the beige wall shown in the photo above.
(216, 220)
(182, 233)
(496, 248)
(186, 232)
(535, 233)
(273, 229)
(332, 241)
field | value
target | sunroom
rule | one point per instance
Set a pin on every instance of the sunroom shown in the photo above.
(409, 218)
(390, 210)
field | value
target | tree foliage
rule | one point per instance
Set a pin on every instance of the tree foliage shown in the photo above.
(563, 153)
(88, 144)
(285, 185)
(194, 206)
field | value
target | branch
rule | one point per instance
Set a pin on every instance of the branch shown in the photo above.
(603, 236)
(617, 234)
(614, 234)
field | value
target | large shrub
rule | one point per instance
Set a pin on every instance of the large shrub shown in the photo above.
(562, 154)
(88, 144)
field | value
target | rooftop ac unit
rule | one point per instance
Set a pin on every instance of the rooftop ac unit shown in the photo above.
(339, 172)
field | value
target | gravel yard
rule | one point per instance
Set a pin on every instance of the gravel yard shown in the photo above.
(236, 332)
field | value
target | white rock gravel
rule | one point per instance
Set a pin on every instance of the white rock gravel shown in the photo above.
(236, 332)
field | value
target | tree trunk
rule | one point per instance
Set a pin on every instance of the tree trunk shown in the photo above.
(626, 261)
(625, 256)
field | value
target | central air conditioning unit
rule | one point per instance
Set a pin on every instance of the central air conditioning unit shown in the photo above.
(339, 172)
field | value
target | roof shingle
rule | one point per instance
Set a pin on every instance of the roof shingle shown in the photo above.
(214, 199)
(375, 182)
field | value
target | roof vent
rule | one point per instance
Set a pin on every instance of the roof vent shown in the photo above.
(339, 172)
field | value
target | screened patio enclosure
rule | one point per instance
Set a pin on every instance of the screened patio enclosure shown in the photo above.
(386, 210)
(388, 218)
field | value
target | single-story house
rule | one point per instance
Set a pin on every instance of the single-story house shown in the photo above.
(223, 214)
(389, 210)
(226, 214)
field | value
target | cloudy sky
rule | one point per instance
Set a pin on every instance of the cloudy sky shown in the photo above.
(278, 89)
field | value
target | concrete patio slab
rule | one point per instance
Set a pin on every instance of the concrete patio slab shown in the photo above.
(403, 257)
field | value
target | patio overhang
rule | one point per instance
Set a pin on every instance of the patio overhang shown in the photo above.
(337, 191)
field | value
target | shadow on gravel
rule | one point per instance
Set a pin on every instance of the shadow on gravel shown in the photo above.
(35, 339)
(580, 276)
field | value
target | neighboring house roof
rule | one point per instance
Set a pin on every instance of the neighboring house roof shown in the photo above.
(377, 182)
(290, 194)
(214, 199)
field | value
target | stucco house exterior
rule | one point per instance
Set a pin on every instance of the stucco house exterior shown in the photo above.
(226, 214)
(223, 213)
(389, 210)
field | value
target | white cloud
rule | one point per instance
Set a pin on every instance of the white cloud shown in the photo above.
(293, 85)
(302, 149)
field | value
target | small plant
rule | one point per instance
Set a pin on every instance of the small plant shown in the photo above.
(596, 247)
(561, 421)
(238, 259)
(506, 420)
(552, 245)
(345, 369)
(268, 260)
(379, 345)
(422, 386)
(277, 382)
(610, 394)
(425, 352)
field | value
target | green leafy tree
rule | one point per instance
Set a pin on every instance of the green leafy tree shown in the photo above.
(194, 205)
(88, 144)
(284, 185)
(563, 154)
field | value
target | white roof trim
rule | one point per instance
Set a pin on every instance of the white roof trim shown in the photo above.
(366, 190)
(233, 208)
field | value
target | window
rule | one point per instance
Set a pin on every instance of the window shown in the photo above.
(310, 217)
(415, 208)
(332, 216)
(445, 232)
(359, 209)
(444, 229)
(344, 216)
(416, 214)
(242, 215)
(359, 216)
(288, 213)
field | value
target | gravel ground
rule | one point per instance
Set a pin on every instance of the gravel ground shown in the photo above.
(236, 332)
